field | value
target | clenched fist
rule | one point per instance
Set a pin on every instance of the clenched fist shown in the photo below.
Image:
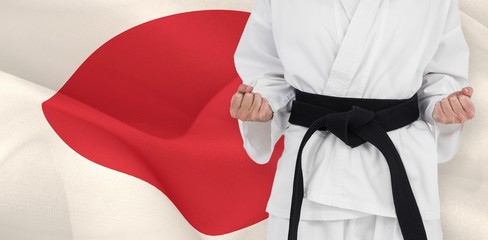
(248, 106)
(455, 108)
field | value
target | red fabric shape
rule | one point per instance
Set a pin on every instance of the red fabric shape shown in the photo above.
(153, 102)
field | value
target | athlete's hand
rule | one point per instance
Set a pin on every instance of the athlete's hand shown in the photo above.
(455, 108)
(248, 106)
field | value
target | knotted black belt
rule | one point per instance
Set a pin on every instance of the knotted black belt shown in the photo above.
(356, 121)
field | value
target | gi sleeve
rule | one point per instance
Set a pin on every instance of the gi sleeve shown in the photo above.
(257, 63)
(446, 73)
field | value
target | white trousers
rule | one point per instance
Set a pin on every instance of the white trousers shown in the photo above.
(369, 227)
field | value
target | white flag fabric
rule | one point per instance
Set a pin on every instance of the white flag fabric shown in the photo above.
(85, 93)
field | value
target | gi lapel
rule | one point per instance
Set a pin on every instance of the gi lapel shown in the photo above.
(347, 60)
(350, 7)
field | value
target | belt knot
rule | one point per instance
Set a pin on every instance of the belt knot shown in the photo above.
(345, 124)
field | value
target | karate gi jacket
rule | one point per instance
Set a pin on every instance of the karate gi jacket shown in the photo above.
(387, 49)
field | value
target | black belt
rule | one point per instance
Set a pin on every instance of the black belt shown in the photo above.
(356, 121)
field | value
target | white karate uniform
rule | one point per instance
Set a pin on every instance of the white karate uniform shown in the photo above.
(368, 227)
(353, 48)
